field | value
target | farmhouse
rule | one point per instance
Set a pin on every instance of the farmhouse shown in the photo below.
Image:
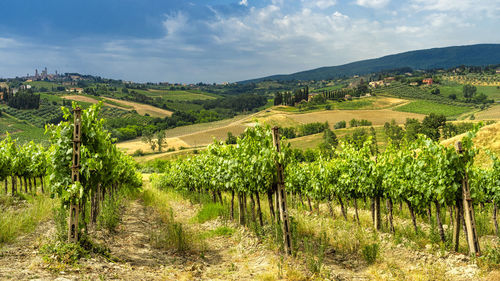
(414, 84)
(498, 70)
(76, 90)
(375, 84)
(348, 97)
(427, 81)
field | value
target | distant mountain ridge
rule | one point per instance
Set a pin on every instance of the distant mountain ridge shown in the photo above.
(447, 57)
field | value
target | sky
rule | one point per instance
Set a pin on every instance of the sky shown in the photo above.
(227, 40)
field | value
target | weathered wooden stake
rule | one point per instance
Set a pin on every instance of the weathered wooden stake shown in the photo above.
(468, 208)
(74, 209)
(287, 236)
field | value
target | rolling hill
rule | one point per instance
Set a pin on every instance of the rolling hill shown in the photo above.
(476, 55)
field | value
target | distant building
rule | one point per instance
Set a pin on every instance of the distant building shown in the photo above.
(76, 90)
(389, 79)
(348, 97)
(427, 81)
(414, 84)
(498, 70)
(375, 84)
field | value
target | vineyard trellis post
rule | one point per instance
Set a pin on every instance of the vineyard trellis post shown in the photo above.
(287, 237)
(74, 209)
(468, 209)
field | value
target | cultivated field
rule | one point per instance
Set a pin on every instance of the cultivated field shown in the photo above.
(492, 113)
(91, 100)
(377, 117)
(125, 105)
(131, 146)
(144, 108)
(428, 107)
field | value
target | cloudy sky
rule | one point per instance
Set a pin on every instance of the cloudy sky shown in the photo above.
(227, 40)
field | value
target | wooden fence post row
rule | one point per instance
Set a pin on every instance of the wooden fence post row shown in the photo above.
(287, 237)
(468, 212)
(74, 209)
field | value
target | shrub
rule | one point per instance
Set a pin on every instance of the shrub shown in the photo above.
(340, 125)
(138, 152)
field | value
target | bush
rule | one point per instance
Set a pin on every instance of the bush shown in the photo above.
(370, 253)
(340, 125)
(138, 152)
(61, 253)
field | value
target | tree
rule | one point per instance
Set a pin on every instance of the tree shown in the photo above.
(231, 139)
(432, 124)
(278, 98)
(469, 91)
(161, 139)
(148, 137)
(394, 132)
(452, 96)
(412, 128)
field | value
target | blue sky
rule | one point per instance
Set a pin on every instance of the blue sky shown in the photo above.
(227, 40)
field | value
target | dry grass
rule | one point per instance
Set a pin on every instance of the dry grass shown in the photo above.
(492, 113)
(132, 145)
(377, 117)
(90, 100)
(144, 108)
(488, 137)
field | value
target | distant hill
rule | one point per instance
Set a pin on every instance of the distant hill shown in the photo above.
(472, 55)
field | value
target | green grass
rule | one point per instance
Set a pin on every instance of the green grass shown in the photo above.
(491, 91)
(354, 104)
(329, 88)
(20, 130)
(210, 211)
(24, 218)
(428, 107)
(176, 95)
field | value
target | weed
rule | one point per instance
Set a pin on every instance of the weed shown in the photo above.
(109, 217)
(60, 220)
(59, 254)
(370, 253)
(171, 236)
(491, 258)
(211, 211)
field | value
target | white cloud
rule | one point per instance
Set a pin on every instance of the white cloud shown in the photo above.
(325, 4)
(244, 2)
(175, 23)
(373, 3)
(490, 8)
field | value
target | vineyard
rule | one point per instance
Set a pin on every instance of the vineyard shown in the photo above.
(404, 91)
(435, 183)
(338, 205)
(102, 169)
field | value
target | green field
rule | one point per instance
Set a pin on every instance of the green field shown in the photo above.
(428, 107)
(491, 91)
(177, 95)
(21, 130)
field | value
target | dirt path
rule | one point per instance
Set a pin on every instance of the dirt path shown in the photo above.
(240, 257)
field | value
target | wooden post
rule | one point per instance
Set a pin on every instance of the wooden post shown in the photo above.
(468, 208)
(287, 236)
(74, 210)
